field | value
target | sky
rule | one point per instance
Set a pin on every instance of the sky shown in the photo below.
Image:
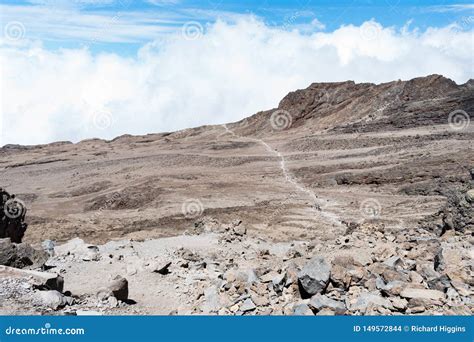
(79, 69)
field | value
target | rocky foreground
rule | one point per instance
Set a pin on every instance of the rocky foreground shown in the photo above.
(218, 269)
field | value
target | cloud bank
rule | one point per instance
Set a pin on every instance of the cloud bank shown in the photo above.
(211, 75)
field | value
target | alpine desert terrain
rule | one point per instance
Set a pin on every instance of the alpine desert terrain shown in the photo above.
(346, 199)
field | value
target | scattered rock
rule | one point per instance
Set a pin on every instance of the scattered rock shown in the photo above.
(314, 276)
(370, 299)
(302, 310)
(78, 248)
(279, 282)
(422, 294)
(21, 255)
(248, 305)
(319, 302)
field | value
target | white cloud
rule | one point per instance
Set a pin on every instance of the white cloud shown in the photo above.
(450, 8)
(230, 72)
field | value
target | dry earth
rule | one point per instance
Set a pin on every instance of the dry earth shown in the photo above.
(386, 161)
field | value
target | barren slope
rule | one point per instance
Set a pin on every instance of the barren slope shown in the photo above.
(336, 153)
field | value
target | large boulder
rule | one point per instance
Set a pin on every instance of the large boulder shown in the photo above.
(53, 299)
(314, 276)
(21, 255)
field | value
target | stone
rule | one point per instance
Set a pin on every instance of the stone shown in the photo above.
(260, 300)
(422, 294)
(268, 277)
(88, 313)
(399, 303)
(441, 283)
(211, 299)
(247, 305)
(78, 248)
(240, 230)
(48, 247)
(427, 271)
(392, 288)
(388, 273)
(370, 299)
(119, 288)
(21, 255)
(325, 312)
(40, 280)
(279, 282)
(363, 257)
(415, 277)
(393, 262)
(449, 261)
(162, 267)
(52, 299)
(314, 277)
(103, 294)
(462, 288)
(416, 309)
(302, 310)
(470, 196)
(319, 302)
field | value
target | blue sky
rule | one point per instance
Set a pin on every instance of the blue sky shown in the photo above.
(77, 69)
(72, 23)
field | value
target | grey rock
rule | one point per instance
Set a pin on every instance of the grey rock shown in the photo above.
(441, 283)
(48, 246)
(40, 280)
(21, 255)
(247, 305)
(302, 310)
(422, 294)
(470, 196)
(319, 302)
(211, 300)
(119, 288)
(279, 282)
(370, 299)
(393, 262)
(314, 276)
(52, 299)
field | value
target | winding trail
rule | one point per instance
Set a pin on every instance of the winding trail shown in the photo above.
(318, 203)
